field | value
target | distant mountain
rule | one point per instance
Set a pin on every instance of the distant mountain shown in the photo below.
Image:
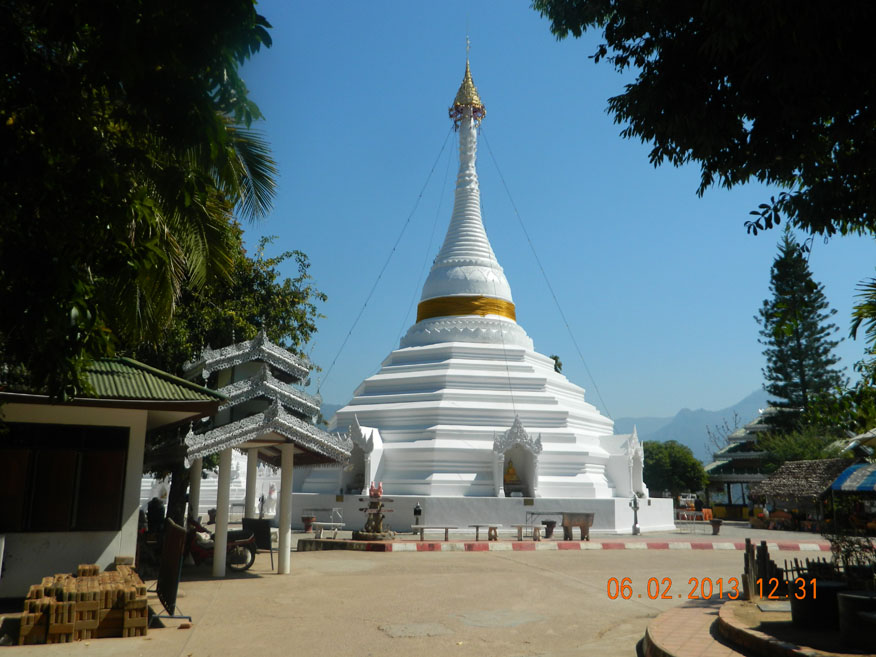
(645, 426)
(689, 427)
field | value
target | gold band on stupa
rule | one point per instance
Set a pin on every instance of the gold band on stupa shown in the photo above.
(465, 305)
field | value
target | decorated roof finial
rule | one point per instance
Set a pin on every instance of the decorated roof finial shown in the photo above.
(467, 96)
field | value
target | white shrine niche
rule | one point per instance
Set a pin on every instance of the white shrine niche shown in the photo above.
(516, 448)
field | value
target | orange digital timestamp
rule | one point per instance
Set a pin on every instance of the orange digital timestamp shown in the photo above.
(800, 587)
(661, 589)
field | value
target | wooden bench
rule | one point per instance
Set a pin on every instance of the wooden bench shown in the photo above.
(581, 520)
(423, 528)
(492, 531)
(319, 527)
(536, 531)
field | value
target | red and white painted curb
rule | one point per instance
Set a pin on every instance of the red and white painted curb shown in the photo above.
(530, 546)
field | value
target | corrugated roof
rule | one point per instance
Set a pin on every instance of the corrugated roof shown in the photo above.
(126, 378)
(857, 478)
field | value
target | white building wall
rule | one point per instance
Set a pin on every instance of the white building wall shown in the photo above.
(31, 556)
(613, 516)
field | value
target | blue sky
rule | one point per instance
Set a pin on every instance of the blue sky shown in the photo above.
(659, 286)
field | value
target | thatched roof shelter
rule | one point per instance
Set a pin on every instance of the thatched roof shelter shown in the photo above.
(796, 480)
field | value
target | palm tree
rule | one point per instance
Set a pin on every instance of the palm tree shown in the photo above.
(864, 312)
(192, 231)
(125, 153)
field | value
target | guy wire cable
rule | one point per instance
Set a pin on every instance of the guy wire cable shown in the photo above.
(504, 348)
(419, 283)
(544, 274)
(386, 263)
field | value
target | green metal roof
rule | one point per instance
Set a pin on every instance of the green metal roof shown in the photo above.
(126, 378)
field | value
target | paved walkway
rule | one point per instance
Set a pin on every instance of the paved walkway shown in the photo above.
(686, 632)
(465, 604)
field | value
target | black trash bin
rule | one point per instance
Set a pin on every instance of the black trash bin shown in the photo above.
(549, 527)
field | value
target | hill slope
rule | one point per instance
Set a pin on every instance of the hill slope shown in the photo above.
(689, 427)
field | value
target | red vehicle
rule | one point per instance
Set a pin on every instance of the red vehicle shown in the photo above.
(240, 553)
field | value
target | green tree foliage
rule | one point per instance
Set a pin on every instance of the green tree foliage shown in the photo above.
(125, 150)
(796, 335)
(802, 444)
(851, 410)
(777, 92)
(222, 313)
(217, 315)
(671, 466)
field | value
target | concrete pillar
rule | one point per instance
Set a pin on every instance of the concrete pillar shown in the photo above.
(195, 487)
(287, 457)
(223, 497)
(252, 471)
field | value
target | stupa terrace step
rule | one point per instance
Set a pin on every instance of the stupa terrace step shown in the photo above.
(442, 351)
(462, 395)
(455, 364)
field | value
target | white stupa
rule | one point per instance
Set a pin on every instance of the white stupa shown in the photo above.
(465, 410)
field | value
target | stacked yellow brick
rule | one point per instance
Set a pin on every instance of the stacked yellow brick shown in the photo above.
(91, 605)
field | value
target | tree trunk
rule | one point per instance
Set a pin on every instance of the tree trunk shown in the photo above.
(178, 496)
(801, 370)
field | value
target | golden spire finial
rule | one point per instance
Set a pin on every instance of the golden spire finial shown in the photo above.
(467, 96)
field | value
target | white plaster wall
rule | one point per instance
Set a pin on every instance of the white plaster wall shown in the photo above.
(612, 516)
(655, 514)
(31, 556)
(618, 470)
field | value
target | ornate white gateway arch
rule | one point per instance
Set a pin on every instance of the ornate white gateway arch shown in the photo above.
(515, 461)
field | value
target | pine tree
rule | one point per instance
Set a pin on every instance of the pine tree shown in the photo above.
(797, 335)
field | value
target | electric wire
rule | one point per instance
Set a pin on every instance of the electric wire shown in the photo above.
(385, 264)
(544, 275)
(502, 336)
(419, 283)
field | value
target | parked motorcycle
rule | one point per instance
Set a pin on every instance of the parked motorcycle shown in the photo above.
(240, 553)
